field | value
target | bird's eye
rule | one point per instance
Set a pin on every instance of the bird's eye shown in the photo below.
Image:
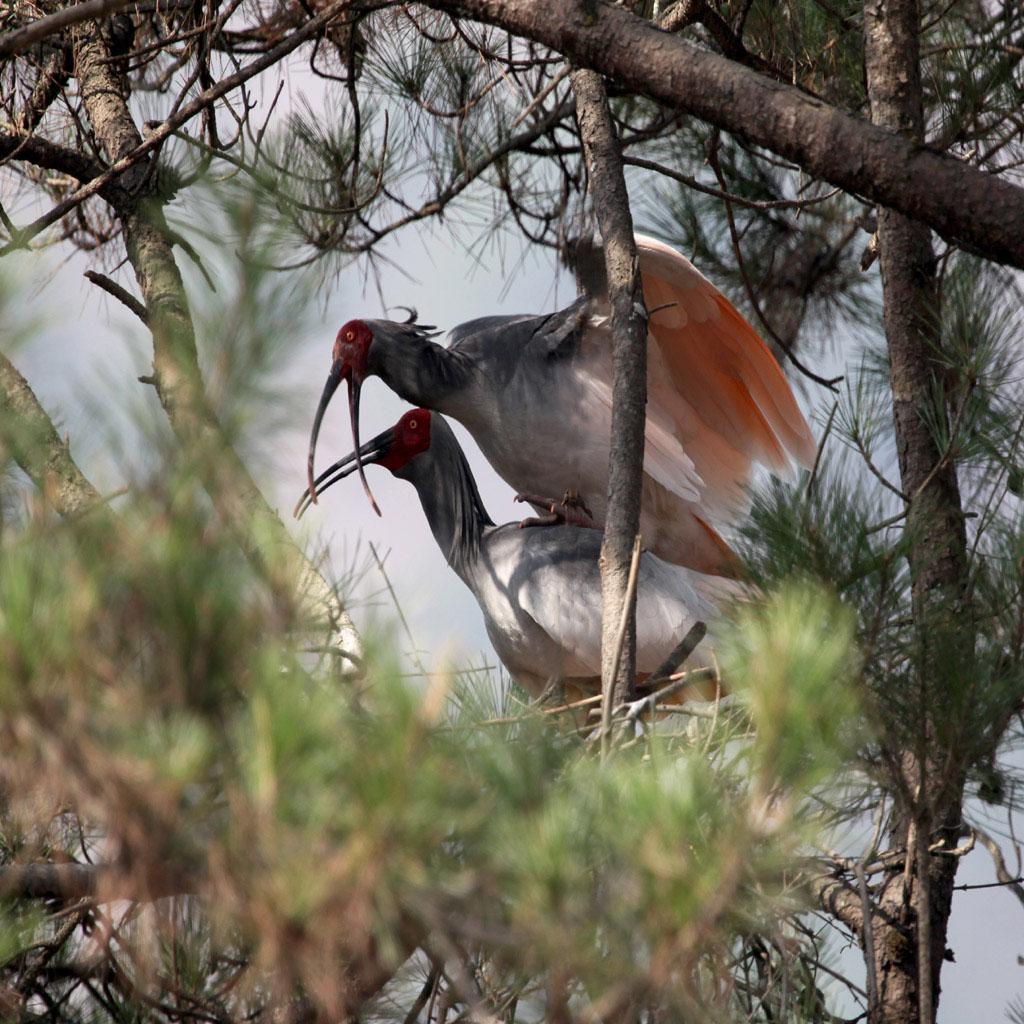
(412, 424)
(350, 335)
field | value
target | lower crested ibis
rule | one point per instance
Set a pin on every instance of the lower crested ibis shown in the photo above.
(535, 392)
(539, 590)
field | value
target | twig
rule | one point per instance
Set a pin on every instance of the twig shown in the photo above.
(868, 930)
(413, 652)
(821, 448)
(1013, 884)
(958, 851)
(678, 655)
(943, 459)
(541, 96)
(424, 995)
(829, 383)
(122, 295)
(51, 947)
(717, 193)
(534, 710)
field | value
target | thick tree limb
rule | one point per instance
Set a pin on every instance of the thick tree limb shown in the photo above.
(960, 202)
(838, 899)
(629, 382)
(21, 39)
(38, 449)
(179, 383)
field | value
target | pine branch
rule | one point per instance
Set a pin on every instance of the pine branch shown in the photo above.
(130, 157)
(178, 378)
(21, 39)
(45, 458)
(960, 202)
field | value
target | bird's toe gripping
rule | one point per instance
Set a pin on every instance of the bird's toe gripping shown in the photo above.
(571, 510)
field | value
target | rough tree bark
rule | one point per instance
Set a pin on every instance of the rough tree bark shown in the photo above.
(629, 381)
(912, 912)
(175, 363)
(958, 201)
(38, 448)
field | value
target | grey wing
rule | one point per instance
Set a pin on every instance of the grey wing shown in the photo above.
(487, 329)
(549, 334)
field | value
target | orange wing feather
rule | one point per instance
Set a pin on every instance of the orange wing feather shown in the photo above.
(716, 380)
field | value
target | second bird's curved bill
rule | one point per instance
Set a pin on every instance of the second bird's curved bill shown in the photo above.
(339, 372)
(371, 452)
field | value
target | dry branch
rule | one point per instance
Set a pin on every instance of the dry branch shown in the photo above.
(130, 157)
(21, 39)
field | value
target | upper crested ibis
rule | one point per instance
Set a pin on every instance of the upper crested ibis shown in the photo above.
(535, 392)
(539, 590)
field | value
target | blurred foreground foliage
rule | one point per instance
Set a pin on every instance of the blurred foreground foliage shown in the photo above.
(261, 826)
(205, 814)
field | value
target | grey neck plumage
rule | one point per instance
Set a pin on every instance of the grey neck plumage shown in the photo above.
(449, 496)
(414, 367)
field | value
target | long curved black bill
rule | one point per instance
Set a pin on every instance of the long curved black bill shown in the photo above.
(333, 380)
(354, 387)
(370, 452)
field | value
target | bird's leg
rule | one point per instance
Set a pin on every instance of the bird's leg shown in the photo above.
(571, 509)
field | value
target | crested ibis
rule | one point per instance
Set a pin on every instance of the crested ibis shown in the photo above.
(539, 590)
(535, 392)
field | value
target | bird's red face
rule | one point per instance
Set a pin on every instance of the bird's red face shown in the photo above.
(393, 449)
(411, 437)
(352, 349)
(348, 363)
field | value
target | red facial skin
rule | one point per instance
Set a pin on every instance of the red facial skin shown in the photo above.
(412, 436)
(351, 349)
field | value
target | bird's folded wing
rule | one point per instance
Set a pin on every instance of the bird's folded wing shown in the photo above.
(557, 583)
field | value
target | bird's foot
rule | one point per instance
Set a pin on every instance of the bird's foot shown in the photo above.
(571, 510)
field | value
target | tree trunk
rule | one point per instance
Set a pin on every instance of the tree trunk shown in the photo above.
(913, 906)
(629, 381)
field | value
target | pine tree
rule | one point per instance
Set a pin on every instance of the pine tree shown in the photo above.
(218, 803)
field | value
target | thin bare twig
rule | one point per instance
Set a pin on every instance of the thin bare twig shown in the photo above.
(717, 193)
(829, 383)
(1004, 876)
(121, 294)
(868, 931)
(413, 652)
